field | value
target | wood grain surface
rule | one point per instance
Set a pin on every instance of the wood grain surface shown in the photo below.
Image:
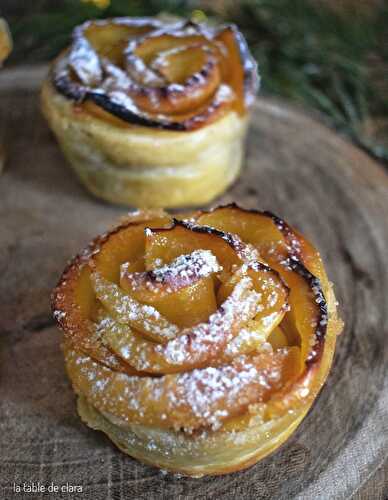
(295, 167)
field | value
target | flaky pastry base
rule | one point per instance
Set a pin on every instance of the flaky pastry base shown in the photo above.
(216, 453)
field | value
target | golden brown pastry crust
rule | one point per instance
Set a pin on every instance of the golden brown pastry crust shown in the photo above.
(198, 436)
(152, 113)
(5, 41)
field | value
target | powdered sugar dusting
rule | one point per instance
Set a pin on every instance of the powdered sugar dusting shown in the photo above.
(200, 398)
(246, 341)
(199, 341)
(85, 62)
(195, 346)
(207, 373)
(127, 310)
(206, 389)
(135, 87)
(183, 271)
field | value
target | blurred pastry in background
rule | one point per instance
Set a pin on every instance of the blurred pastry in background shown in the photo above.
(152, 112)
(5, 41)
(5, 50)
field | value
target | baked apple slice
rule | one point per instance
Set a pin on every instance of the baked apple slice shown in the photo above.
(177, 76)
(182, 291)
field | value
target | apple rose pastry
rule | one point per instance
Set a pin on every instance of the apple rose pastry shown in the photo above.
(152, 113)
(197, 344)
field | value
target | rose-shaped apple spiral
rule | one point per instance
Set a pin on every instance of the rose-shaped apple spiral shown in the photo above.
(174, 75)
(201, 324)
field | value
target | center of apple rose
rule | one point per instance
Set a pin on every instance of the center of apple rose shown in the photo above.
(181, 272)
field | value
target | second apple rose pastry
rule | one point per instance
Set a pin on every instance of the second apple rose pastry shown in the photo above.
(152, 113)
(197, 344)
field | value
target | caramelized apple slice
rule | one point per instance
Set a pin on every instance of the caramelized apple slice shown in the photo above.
(280, 246)
(250, 338)
(182, 291)
(136, 266)
(178, 64)
(164, 245)
(146, 319)
(200, 398)
(273, 237)
(149, 47)
(185, 91)
(273, 294)
(307, 317)
(195, 346)
(180, 273)
(110, 40)
(278, 339)
(266, 281)
(252, 227)
(137, 351)
(185, 307)
(258, 413)
(145, 356)
(231, 67)
(125, 243)
(175, 76)
(74, 305)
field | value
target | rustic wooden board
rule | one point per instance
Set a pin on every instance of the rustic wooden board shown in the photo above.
(296, 167)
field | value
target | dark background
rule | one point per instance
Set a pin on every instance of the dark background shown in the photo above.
(330, 55)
